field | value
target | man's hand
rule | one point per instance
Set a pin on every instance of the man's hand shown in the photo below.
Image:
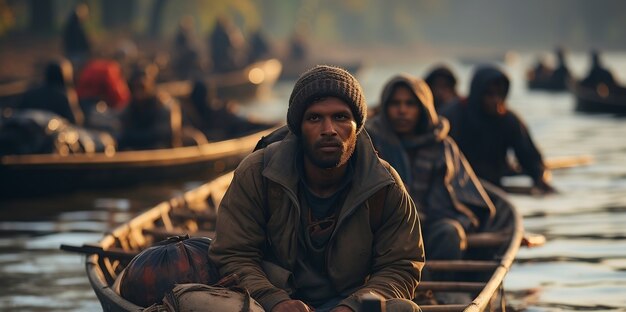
(341, 309)
(293, 305)
(544, 188)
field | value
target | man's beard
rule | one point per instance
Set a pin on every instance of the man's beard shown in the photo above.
(326, 160)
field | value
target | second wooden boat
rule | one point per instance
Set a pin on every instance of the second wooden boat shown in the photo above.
(29, 175)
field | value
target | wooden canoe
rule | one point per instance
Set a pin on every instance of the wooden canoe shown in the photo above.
(29, 175)
(194, 213)
(600, 100)
(245, 84)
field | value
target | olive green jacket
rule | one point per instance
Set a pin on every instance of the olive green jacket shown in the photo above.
(258, 243)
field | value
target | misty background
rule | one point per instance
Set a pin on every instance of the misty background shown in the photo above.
(477, 25)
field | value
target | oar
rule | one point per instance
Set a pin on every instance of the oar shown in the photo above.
(97, 250)
(563, 162)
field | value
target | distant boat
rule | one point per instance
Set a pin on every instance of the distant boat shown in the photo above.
(43, 174)
(292, 69)
(242, 85)
(195, 212)
(545, 84)
(601, 99)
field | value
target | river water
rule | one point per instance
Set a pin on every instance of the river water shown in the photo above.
(581, 267)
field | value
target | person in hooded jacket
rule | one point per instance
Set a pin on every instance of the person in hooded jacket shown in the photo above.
(152, 119)
(442, 83)
(227, 46)
(57, 94)
(76, 43)
(410, 135)
(298, 224)
(485, 130)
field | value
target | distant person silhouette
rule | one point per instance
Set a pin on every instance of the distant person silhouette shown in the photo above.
(561, 75)
(442, 82)
(227, 46)
(152, 119)
(186, 61)
(57, 93)
(76, 43)
(297, 47)
(598, 74)
(485, 130)
(259, 47)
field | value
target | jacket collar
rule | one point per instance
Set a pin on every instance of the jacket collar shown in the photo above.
(369, 173)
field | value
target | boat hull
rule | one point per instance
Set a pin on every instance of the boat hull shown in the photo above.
(198, 210)
(33, 175)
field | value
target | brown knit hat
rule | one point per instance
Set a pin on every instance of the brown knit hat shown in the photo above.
(322, 81)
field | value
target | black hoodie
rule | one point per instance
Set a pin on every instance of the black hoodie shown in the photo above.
(485, 140)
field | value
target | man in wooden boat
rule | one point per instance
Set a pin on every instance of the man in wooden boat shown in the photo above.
(152, 119)
(485, 130)
(442, 83)
(227, 46)
(410, 135)
(561, 75)
(57, 93)
(598, 75)
(317, 220)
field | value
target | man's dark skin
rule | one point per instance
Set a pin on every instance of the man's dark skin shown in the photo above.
(328, 138)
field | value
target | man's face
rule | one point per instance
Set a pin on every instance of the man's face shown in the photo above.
(328, 133)
(493, 100)
(403, 110)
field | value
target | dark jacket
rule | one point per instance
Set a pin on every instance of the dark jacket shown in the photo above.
(485, 140)
(259, 243)
(152, 125)
(57, 93)
(76, 43)
(439, 178)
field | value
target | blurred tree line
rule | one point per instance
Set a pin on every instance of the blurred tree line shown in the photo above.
(498, 23)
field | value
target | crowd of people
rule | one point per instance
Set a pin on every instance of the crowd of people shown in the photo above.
(116, 94)
(560, 78)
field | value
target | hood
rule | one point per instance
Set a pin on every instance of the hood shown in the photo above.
(481, 79)
(421, 91)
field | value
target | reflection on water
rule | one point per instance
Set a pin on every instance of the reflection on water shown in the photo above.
(581, 267)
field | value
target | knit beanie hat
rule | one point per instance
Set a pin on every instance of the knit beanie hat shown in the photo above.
(324, 81)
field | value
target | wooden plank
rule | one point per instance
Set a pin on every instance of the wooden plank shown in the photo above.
(443, 308)
(563, 162)
(189, 215)
(450, 286)
(159, 233)
(461, 265)
(116, 253)
(487, 239)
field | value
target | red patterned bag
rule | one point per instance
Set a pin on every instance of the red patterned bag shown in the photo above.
(156, 270)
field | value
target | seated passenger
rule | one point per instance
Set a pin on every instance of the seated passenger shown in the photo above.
(102, 80)
(57, 93)
(451, 200)
(152, 119)
(598, 74)
(486, 130)
(442, 83)
(561, 75)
